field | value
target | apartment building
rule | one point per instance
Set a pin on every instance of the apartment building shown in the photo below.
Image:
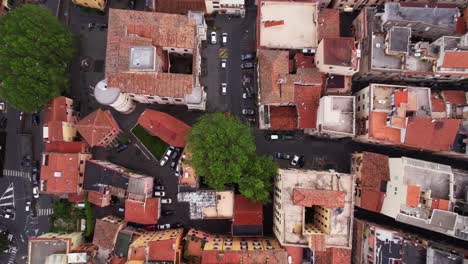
(60, 120)
(157, 247)
(53, 247)
(99, 129)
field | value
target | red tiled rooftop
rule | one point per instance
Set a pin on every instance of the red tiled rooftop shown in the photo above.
(247, 212)
(142, 213)
(455, 59)
(439, 135)
(437, 103)
(66, 147)
(296, 254)
(307, 99)
(333, 256)
(98, 199)
(131, 28)
(400, 97)
(105, 233)
(374, 170)
(371, 199)
(57, 110)
(272, 65)
(180, 6)
(75, 198)
(412, 195)
(454, 97)
(378, 128)
(327, 198)
(303, 61)
(328, 23)
(317, 242)
(338, 51)
(55, 130)
(283, 117)
(168, 128)
(66, 165)
(97, 126)
(440, 204)
(162, 250)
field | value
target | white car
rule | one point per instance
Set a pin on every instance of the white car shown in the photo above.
(28, 206)
(164, 226)
(159, 193)
(223, 64)
(166, 200)
(295, 160)
(169, 151)
(164, 160)
(224, 38)
(8, 215)
(36, 192)
(213, 37)
(224, 88)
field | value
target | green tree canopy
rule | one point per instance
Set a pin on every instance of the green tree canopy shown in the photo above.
(223, 153)
(35, 54)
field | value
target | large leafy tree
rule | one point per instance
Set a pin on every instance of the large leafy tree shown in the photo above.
(35, 54)
(223, 153)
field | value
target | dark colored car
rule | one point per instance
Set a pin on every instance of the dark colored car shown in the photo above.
(121, 147)
(288, 137)
(35, 177)
(247, 65)
(247, 56)
(301, 161)
(284, 156)
(131, 4)
(36, 119)
(173, 165)
(167, 212)
(175, 154)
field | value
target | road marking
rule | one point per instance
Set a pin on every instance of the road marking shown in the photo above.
(45, 211)
(223, 53)
(8, 197)
(16, 173)
(12, 257)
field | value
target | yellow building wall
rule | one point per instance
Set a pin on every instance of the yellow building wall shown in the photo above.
(322, 219)
(96, 4)
(68, 131)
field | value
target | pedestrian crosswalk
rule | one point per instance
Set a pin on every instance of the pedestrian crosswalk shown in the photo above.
(12, 257)
(45, 211)
(16, 173)
(8, 197)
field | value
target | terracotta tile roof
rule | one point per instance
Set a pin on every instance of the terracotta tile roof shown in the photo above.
(98, 198)
(454, 97)
(455, 59)
(400, 97)
(117, 260)
(374, 170)
(162, 250)
(248, 217)
(134, 28)
(437, 103)
(61, 174)
(412, 195)
(75, 198)
(283, 117)
(105, 233)
(326, 198)
(422, 133)
(296, 254)
(371, 199)
(57, 110)
(273, 64)
(97, 127)
(398, 122)
(317, 242)
(333, 256)
(338, 51)
(378, 128)
(168, 128)
(307, 99)
(440, 204)
(328, 23)
(303, 61)
(55, 130)
(179, 6)
(66, 147)
(142, 213)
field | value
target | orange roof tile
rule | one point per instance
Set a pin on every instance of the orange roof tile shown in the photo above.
(168, 128)
(105, 233)
(99, 199)
(180, 6)
(66, 147)
(55, 130)
(412, 195)
(273, 64)
(307, 100)
(454, 97)
(98, 127)
(374, 170)
(333, 256)
(317, 242)
(455, 59)
(326, 198)
(247, 213)
(338, 51)
(328, 23)
(400, 97)
(134, 28)
(57, 110)
(142, 213)
(423, 133)
(296, 254)
(371, 199)
(437, 103)
(283, 117)
(378, 128)
(440, 204)
(162, 250)
(399, 122)
(60, 175)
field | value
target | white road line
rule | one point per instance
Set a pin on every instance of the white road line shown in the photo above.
(6, 204)
(6, 197)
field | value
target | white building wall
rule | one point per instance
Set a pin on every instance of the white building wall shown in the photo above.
(234, 7)
(362, 103)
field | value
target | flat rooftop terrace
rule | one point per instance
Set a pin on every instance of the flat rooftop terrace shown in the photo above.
(288, 25)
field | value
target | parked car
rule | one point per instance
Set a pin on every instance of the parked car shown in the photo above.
(166, 200)
(272, 137)
(301, 162)
(167, 212)
(213, 37)
(121, 210)
(131, 4)
(80, 205)
(159, 188)
(224, 88)
(247, 56)
(2, 106)
(285, 156)
(288, 137)
(8, 215)
(169, 151)
(159, 193)
(246, 95)
(21, 115)
(224, 38)
(164, 160)
(35, 177)
(295, 160)
(177, 171)
(173, 165)
(247, 65)
(248, 111)
(121, 147)
(223, 63)
(36, 192)
(163, 226)
(175, 154)
(36, 119)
